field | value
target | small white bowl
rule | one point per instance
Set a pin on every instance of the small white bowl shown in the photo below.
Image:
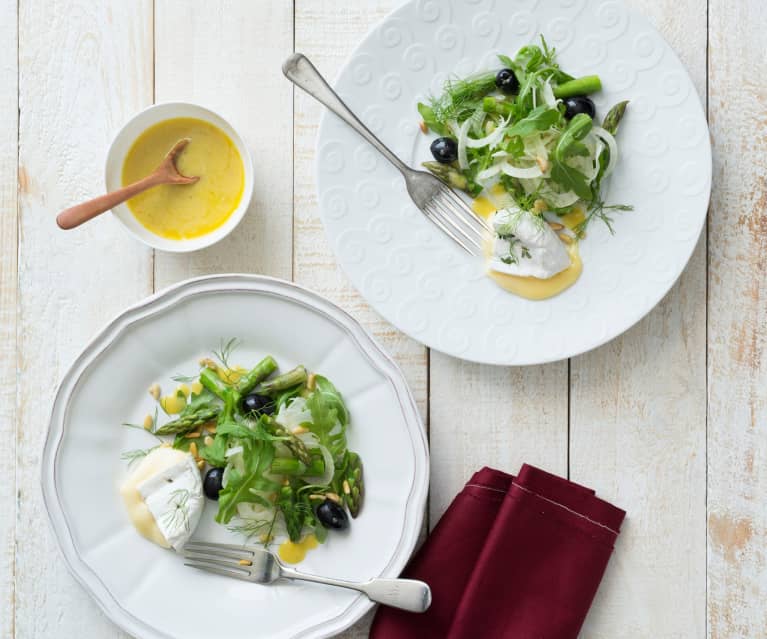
(122, 144)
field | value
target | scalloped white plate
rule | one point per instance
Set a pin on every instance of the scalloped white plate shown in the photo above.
(145, 589)
(415, 277)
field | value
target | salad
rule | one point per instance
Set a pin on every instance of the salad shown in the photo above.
(526, 143)
(272, 449)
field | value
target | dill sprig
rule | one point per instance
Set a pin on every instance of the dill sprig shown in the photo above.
(225, 351)
(600, 211)
(141, 427)
(180, 511)
(185, 379)
(134, 455)
(252, 527)
(462, 97)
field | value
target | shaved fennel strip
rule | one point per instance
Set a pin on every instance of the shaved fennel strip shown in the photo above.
(612, 146)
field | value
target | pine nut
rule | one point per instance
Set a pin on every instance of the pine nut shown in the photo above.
(193, 435)
(333, 497)
(317, 497)
(347, 489)
(300, 430)
(565, 238)
(424, 128)
(155, 391)
(245, 562)
(556, 226)
(208, 440)
(148, 422)
(193, 449)
(201, 464)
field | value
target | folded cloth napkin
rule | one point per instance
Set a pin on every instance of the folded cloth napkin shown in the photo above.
(511, 558)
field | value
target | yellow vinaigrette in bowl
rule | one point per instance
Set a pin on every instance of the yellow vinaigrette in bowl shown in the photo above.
(179, 212)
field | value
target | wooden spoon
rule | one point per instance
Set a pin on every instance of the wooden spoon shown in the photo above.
(166, 173)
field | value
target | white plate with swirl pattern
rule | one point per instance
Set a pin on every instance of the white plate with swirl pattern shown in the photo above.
(423, 284)
(146, 589)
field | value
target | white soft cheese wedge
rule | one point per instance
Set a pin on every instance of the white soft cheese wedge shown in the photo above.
(545, 254)
(163, 495)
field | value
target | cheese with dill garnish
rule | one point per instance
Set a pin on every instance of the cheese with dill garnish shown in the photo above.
(163, 495)
(526, 246)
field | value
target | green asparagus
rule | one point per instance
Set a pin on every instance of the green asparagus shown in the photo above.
(281, 382)
(258, 373)
(580, 86)
(614, 117)
(190, 421)
(448, 174)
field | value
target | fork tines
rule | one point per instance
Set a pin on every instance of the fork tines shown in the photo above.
(221, 559)
(451, 214)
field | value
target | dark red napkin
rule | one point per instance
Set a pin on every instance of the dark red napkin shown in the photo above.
(511, 558)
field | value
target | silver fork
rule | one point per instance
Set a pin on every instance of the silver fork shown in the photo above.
(260, 566)
(435, 199)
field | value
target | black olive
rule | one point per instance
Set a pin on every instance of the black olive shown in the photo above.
(579, 104)
(211, 485)
(331, 515)
(444, 150)
(255, 403)
(507, 81)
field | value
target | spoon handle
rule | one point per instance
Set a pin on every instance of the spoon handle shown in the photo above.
(80, 213)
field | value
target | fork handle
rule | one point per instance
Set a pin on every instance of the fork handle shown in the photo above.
(407, 594)
(301, 72)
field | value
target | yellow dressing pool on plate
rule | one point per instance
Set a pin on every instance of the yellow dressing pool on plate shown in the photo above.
(295, 552)
(533, 288)
(180, 212)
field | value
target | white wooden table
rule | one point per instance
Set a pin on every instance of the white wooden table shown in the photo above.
(668, 421)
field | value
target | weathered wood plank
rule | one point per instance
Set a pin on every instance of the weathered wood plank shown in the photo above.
(638, 423)
(84, 68)
(328, 31)
(493, 416)
(227, 57)
(737, 340)
(8, 297)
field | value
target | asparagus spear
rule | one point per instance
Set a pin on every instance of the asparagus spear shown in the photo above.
(209, 379)
(610, 124)
(290, 466)
(294, 518)
(258, 373)
(449, 175)
(580, 86)
(281, 382)
(190, 421)
(293, 443)
(614, 117)
(353, 484)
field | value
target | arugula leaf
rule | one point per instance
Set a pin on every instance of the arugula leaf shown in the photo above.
(215, 454)
(427, 113)
(539, 119)
(247, 429)
(569, 144)
(257, 456)
(329, 416)
(515, 146)
(204, 399)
